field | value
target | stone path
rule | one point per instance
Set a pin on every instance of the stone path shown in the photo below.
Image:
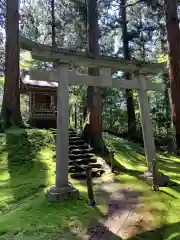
(123, 219)
(120, 207)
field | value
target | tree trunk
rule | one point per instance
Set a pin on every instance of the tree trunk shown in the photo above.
(111, 122)
(129, 93)
(11, 114)
(173, 35)
(93, 129)
(53, 25)
(75, 116)
(165, 80)
(84, 113)
(81, 117)
(69, 115)
(53, 28)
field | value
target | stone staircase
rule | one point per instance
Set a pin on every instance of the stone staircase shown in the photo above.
(81, 156)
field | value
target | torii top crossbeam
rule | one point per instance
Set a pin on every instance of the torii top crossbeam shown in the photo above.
(47, 53)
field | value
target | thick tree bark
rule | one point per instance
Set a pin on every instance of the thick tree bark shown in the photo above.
(53, 29)
(75, 116)
(93, 129)
(11, 114)
(165, 79)
(129, 94)
(53, 25)
(173, 35)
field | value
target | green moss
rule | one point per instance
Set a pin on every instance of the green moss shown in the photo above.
(165, 204)
(27, 170)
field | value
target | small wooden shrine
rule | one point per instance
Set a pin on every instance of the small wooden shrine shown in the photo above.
(42, 101)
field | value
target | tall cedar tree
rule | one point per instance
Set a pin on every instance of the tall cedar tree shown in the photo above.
(129, 94)
(53, 29)
(93, 127)
(11, 114)
(173, 35)
(53, 24)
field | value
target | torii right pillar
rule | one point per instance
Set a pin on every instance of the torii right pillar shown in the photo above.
(147, 129)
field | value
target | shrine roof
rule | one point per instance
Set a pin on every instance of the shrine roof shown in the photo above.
(27, 81)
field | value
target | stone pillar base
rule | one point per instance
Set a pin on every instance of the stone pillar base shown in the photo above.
(58, 194)
(162, 180)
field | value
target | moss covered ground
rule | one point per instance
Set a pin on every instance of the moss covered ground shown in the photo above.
(27, 170)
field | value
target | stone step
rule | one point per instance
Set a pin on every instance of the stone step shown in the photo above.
(76, 142)
(83, 161)
(85, 157)
(81, 146)
(72, 132)
(82, 175)
(80, 156)
(80, 151)
(74, 138)
(81, 168)
(54, 131)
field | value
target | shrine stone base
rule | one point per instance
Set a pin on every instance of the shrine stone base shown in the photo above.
(162, 180)
(59, 194)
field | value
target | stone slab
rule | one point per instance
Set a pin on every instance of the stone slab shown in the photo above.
(59, 194)
(122, 203)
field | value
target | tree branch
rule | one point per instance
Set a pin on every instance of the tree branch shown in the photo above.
(132, 4)
(127, 5)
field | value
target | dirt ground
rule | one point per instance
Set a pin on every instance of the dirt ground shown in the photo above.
(125, 217)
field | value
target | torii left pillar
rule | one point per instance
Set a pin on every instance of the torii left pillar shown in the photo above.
(62, 189)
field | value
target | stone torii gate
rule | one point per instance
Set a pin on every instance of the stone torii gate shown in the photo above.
(65, 77)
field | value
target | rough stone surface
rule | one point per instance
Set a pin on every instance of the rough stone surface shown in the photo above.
(82, 175)
(80, 157)
(80, 151)
(121, 204)
(80, 168)
(58, 194)
(78, 142)
(83, 161)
